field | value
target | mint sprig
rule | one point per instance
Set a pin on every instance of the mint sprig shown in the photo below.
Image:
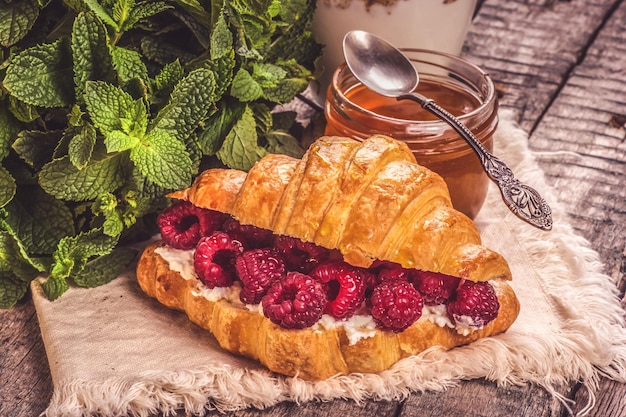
(107, 105)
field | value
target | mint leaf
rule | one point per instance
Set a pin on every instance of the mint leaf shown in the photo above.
(113, 224)
(120, 10)
(195, 153)
(268, 75)
(7, 187)
(262, 117)
(71, 257)
(222, 68)
(114, 215)
(103, 14)
(90, 52)
(42, 75)
(23, 112)
(104, 173)
(129, 65)
(142, 11)
(54, 287)
(145, 188)
(16, 20)
(253, 19)
(221, 39)
(189, 104)
(14, 255)
(240, 149)
(194, 8)
(118, 141)
(161, 51)
(38, 220)
(80, 147)
(107, 105)
(284, 143)
(12, 259)
(168, 77)
(244, 87)
(274, 8)
(219, 124)
(12, 289)
(8, 131)
(105, 268)
(35, 147)
(163, 160)
(286, 90)
(294, 39)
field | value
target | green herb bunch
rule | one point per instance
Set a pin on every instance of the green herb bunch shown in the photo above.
(108, 105)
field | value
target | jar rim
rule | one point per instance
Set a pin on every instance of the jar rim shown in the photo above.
(487, 97)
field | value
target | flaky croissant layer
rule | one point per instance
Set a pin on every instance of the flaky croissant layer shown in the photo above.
(370, 200)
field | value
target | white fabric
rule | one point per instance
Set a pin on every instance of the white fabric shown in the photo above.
(113, 351)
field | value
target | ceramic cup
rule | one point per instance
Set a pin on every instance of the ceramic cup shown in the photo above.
(439, 25)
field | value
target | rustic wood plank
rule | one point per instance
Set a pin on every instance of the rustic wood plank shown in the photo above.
(569, 111)
(581, 124)
(320, 409)
(609, 401)
(25, 382)
(589, 167)
(529, 47)
(479, 398)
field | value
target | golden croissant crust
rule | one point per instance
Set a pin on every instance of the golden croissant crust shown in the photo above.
(312, 353)
(370, 200)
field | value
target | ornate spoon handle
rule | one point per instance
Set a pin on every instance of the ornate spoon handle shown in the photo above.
(521, 199)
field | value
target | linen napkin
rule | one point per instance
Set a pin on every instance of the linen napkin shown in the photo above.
(114, 351)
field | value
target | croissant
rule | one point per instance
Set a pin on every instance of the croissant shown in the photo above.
(369, 200)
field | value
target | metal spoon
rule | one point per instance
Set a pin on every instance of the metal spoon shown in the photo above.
(386, 70)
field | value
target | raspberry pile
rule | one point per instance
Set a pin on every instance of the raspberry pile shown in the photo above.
(297, 282)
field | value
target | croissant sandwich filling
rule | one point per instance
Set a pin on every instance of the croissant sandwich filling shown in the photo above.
(299, 284)
(355, 242)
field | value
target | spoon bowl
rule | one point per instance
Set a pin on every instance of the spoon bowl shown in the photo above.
(379, 65)
(384, 69)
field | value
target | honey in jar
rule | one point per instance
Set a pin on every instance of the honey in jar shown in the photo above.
(458, 86)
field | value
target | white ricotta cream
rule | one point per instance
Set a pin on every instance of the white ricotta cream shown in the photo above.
(356, 327)
(360, 326)
(437, 315)
(179, 260)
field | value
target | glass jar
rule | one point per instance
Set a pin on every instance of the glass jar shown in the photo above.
(458, 86)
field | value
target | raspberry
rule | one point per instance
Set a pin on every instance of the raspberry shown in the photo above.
(475, 304)
(295, 301)
(435, 288)
(395, 305)
(251, 237)
(258, 269)
(298, 255)
(214, 259)
(394, 272)
(344, 286)
(370, 279)
(183, 224)
(384, 271)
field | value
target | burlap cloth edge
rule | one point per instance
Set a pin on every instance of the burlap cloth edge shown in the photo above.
(572, 328)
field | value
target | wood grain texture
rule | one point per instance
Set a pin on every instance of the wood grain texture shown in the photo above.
(560, 66)
(25, 382)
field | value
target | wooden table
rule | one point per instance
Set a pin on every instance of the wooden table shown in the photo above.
(560, 66)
